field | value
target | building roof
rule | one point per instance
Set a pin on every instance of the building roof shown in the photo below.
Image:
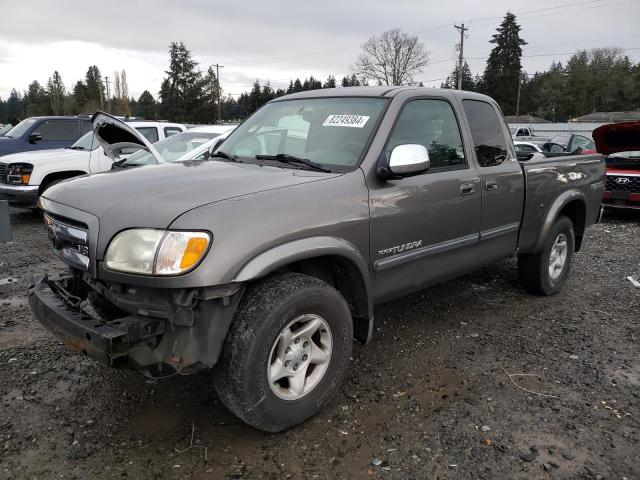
(628, 116)
(525, 119)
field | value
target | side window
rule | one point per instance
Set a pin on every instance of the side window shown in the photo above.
(58, 130)
(433, 124)
(85, 126)
(150, 133)
(168, 131)
(486, 130)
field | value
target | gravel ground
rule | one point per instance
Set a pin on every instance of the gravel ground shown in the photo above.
(473, 378)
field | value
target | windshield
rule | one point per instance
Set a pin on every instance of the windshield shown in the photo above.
(21, 128)
(332, 132)
(85, 142)
(5, 129)
(172, 148)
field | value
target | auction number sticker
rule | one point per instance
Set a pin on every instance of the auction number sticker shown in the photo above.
(355, 121)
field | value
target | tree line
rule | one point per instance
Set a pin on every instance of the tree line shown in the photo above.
(601, 79)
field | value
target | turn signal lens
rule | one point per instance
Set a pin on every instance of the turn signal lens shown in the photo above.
(194, 252)
(25, 179)
(180, 251)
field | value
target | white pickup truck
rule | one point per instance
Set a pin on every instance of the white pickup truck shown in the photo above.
(24, 176)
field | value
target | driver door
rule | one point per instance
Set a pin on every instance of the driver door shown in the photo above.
(424, 228)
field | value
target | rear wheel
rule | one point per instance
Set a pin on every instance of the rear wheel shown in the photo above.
(545, 272)
(286, 352)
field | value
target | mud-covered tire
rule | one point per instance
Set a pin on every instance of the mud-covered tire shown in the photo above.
(534, 268)
(267, 307)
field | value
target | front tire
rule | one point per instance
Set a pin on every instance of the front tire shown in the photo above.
(286, 352)
(545, 272)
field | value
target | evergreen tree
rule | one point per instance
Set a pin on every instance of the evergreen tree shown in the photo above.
(212, 93)
(502, 74)
(146, 106)
(3, 111)
(182, 90)
(94, 90)
(468, 82)
(297, 86)
(36, 100)
(330, 82)
(15, 106)
(56, 92)
(80, 95)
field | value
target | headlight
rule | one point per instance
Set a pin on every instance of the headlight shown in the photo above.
(156, 252)
(19, 173)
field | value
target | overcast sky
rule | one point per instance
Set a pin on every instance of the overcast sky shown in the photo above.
(279, 40)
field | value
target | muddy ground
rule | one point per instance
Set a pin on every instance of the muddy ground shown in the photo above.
(430, 397)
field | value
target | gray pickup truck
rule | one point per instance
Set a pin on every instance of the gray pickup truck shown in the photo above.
(264, 262)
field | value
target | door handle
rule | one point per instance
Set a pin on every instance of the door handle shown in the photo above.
(467, 189)
(491, 184)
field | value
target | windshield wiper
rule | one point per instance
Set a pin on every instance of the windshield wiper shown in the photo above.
(226, 156)
(72, 147)
(290, 159)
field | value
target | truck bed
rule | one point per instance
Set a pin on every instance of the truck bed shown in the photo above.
(549, 181)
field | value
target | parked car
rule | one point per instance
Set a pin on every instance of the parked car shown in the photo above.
(266, 262)
(525, 133)
(620, 143)
(24, 176)
(527, 147)
(42, 133)
(568, 143)
(193, 144)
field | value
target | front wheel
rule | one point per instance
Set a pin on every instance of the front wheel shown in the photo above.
(545, 272)
(286, 352)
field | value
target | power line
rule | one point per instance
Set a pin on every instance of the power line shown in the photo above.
(601, 3)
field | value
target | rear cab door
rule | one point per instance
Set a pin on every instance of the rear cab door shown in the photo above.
(501, 178)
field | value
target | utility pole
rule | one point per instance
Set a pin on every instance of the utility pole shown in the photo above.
(106, 82)
(219, 90)
(462, 29)
(518, 100)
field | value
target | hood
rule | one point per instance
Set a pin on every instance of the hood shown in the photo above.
(153, 196)
(617, 137)
(114, 135)
(35, 156)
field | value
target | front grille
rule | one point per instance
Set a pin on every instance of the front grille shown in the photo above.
(629, 184)
(3, 173)
(70, 240)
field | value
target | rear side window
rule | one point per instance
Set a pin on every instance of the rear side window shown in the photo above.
(150, 133)
(486, 130)
(433, 124)
(85, 126)
(168, 131)
(58, 130)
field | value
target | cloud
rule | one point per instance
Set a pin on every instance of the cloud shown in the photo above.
(280, 40)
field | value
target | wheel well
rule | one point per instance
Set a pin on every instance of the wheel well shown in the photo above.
(342, 274)
(57, 176)
(576, 212)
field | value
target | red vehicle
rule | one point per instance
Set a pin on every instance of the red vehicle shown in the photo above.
(620, 144)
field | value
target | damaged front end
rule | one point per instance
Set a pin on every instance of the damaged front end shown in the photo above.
(158, 330)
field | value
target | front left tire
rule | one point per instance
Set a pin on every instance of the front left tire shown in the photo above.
(286, 353)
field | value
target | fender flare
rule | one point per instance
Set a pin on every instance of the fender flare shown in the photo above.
(306, 249)
(552, 215)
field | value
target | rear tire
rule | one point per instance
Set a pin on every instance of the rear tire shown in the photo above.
(545, 272)
(301, 320)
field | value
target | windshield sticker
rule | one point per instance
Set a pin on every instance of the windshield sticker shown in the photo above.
(356, 121)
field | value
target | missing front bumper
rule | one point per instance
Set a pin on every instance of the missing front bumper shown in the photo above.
(138, 342)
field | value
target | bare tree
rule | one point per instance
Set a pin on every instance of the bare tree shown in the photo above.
(393, 58)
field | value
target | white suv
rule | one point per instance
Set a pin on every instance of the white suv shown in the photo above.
(24, 176)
